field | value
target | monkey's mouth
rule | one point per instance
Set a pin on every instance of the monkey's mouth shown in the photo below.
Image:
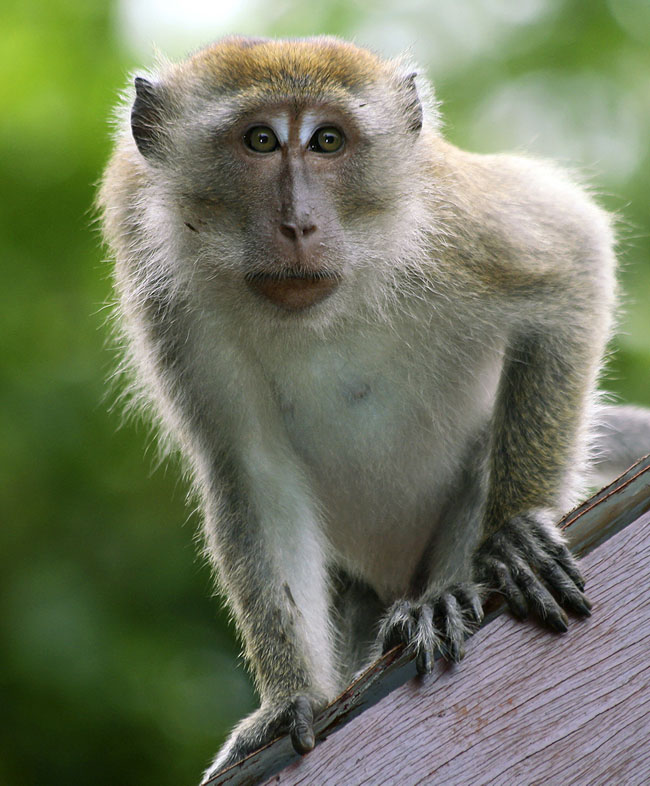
(293, 290)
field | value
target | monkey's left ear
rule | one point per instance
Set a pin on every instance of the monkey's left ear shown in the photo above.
(147, 119)
(413, 103)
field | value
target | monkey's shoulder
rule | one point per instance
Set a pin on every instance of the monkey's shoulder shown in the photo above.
(522, 221)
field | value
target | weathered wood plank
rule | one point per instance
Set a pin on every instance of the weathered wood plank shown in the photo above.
(525, 706)
(597, 519)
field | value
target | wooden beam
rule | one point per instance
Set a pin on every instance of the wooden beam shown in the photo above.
(440, 713)
(524, 707)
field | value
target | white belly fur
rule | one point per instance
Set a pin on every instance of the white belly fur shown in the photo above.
(381, 432)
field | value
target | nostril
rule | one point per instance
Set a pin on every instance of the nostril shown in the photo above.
(289, 230)
(295, 232)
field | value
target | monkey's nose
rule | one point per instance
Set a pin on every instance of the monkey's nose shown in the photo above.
(297, 232)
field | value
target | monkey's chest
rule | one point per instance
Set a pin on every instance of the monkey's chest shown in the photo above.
(382, 440)
(376, 406)
(357, 421)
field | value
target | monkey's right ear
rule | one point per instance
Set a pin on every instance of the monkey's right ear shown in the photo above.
(413, 103)
(147, 118)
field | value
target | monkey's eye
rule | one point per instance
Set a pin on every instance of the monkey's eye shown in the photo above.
(326, 140)
(261, 139)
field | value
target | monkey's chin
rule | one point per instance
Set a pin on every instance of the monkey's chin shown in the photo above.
(293, 293)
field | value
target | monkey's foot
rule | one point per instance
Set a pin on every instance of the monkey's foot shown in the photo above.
(527, 561)
(439, 624)
(294, 716)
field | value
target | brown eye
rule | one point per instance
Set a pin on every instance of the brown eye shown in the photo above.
(261, 139)
(326, 140)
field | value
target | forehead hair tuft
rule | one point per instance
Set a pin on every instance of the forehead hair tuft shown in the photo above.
(309, 66)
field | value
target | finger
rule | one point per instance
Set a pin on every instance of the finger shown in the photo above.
(424, 661)
(302, 725)
(540, 599)
(560, 552)
(564, 588)
(426, 640)
(452, 625)
(500, 575)
(400, 627)
(470, 603)
(569, 565)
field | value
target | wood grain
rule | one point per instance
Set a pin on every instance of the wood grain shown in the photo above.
(525, 706)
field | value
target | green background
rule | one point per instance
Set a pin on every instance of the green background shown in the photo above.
(117, 665)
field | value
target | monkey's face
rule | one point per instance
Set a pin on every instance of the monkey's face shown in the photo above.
(287, 162)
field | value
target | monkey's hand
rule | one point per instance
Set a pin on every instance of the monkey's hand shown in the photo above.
(440, 622)
(527, 561)
(294, 716)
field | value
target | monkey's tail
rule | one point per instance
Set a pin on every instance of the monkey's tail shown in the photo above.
(622, 437)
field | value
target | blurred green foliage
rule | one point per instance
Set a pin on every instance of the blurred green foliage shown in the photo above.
(117, 666)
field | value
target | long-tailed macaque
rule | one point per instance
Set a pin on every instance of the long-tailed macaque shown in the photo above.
(378, 354)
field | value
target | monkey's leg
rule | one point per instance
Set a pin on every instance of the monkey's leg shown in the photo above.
(275, 578)
(357, 613)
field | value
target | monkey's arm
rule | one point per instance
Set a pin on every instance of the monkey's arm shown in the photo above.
(561, 290)
(540, 413)
(265, 540)
(262, 529)
(510, 543)
(541, 258)
(270, 564)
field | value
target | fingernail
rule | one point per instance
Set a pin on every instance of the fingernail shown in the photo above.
(423, 662)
